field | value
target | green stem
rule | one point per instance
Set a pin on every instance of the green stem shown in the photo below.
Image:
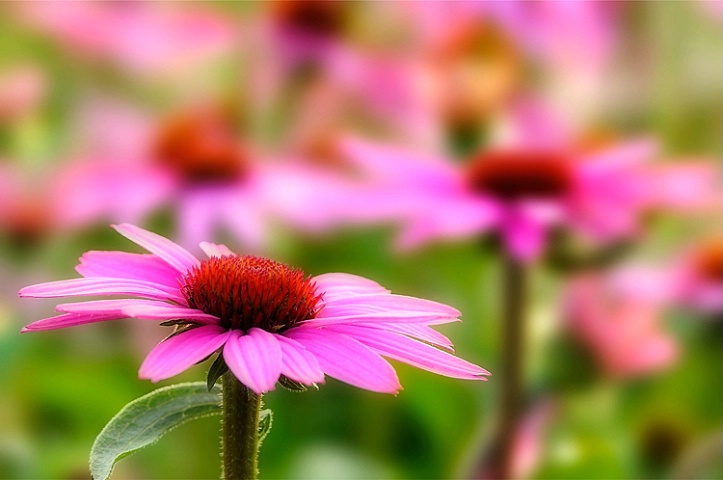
(499, 459)
(240, 439)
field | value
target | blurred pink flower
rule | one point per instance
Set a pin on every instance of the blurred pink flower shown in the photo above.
(693, 281)
(521, 192)
(476, 55)
(265, 318)
(579, 33)
(27, 211)
(623, 331)
(305, 31)
(195, 163)
(21, 90)
(529, 441)
(141, 37)
(314, 57)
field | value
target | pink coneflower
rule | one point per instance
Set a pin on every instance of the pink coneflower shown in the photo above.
(148, 37)
(693, 281)
(477, 55)
(196, 162)
(266, 319)
(622, 330)
(522, 192)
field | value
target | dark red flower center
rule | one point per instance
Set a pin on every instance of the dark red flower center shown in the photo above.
(27, 220)
(201, 146)
(318, 18)
(513, 175)
(246, 291)
(709, 261)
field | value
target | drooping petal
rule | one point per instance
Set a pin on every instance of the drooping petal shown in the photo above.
(134, 266)
(166, 311)
(524, 235)
(175, 255)
(102, 286)
(176, 354)
(343, 285)
(387, 162)
(141, 309)
(215, 250)
(348, 360)
(298, 363)
(620, 158)
(380, 317)
(416, 331)
(254, 358)
(69, 320)
(384, 303)
(412, 352)
(441, 215)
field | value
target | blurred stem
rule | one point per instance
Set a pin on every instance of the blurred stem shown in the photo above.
(514, 296)
(240, 439)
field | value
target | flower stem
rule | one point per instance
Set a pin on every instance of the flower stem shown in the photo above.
(514, 286)
(240, 439)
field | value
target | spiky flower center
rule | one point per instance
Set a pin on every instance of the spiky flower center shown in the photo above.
(201, 146)
(245, 291)
(513, 175)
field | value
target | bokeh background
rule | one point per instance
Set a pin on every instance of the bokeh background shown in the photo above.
(221, 121)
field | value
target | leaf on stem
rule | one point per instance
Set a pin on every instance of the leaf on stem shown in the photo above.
(144, 420)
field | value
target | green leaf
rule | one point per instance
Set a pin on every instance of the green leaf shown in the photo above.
(146, 419)
(266, 419)
(217, 369)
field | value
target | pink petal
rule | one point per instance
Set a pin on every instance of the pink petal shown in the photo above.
(342, 285)
(451, 216)
(101, 286)
(620, 158)
(133, 266)
(384, 303)
(69, 320)
(215, 250)
(298, 363)
(142, 309)
(524, 235)
(348, 360)
(379, 317)
(412, 352)
(416, 331)
(165, 311)
(175, 255)
(392, 163)
(254, 358)
(176, 354)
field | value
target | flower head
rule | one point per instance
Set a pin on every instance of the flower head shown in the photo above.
(693, 280)
(266, 319)
(624, 331)
(520, 192)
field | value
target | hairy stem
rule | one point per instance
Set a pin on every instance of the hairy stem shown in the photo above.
(240, 439)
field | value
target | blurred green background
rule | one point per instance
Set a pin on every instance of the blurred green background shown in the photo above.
(61, 387)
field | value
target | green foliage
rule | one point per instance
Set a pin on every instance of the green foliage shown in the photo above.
(146, 419)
